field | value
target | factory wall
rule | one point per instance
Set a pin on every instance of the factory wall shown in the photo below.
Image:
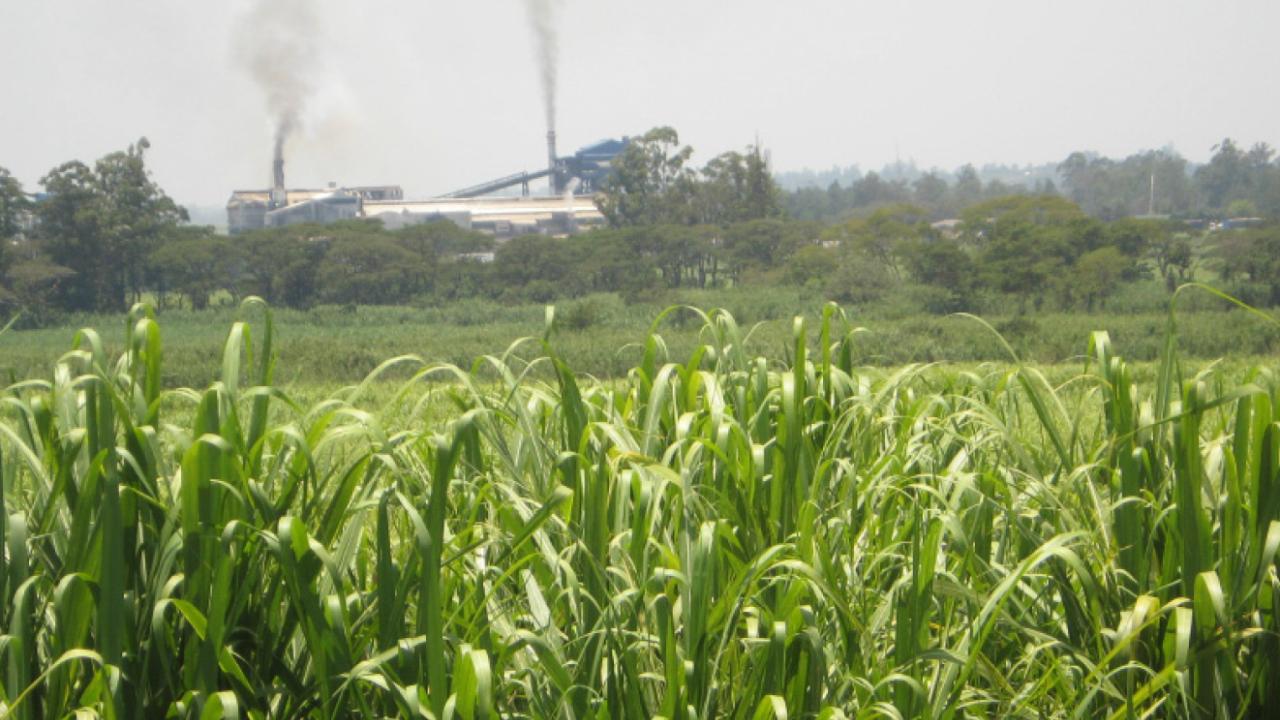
(499, 216)
(245, 217)
(321, 210)
(249, 210)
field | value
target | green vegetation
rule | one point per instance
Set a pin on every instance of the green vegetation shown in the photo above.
(1234, 183)
(715, 534)
(762, 512)
(103, 237)
(331, 346)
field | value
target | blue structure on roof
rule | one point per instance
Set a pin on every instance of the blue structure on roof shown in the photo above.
(604, 150)
(589, 166)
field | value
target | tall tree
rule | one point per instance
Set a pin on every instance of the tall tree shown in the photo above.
(1026, 241)
(102, 223)
(968, 187)
(137, 214)
(738, 187)
(1225, 177)
(1095, 277)
(13, 205)
(193, 262)
(650, 183)
(873, 191)
(1154, 181)
(28, 279)
(883, 236)
(930, 191)
(70, 224)
(369, 269)
(943, 265)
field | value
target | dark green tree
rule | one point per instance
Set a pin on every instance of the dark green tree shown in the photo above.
(1154, 181)
(1133, 237)
(102, 223)
(13, 206)
(851, 275)
(883, 235)
(1025, 241)
(1096, 276)
(1173, 257)
(931, 191)
(31, 283)
(538, 268)
(436, 242)
(70, 226)
(874, 191)
(1224, 177)
(368, 269)
(738, 187)
(811, 263)
(967, 189)
(193, 263)
(1252, 255)
(677, 252)
(650, 183)
(137, 215)
(942, 264)
(759, 247)
(281, 264)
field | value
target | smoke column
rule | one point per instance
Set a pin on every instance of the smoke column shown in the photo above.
(542, 21)
(276, 42)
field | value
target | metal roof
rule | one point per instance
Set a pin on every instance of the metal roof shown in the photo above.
(495, 208)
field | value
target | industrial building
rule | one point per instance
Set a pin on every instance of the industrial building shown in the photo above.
(256, 209)
(570, 208)
(502, 217)
(584, 172)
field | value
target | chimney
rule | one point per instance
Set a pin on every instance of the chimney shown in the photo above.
(279, 198)
(551, 162)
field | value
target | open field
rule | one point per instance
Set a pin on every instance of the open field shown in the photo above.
(600, 335)
(709, 534)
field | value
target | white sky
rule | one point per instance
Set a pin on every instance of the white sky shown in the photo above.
(436, 95)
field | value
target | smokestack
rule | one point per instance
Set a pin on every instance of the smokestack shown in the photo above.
(278, 42)
(279, 198)
(551, 162)
(542, 21)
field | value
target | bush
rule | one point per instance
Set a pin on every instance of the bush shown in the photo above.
(939, 301)
(580, 315)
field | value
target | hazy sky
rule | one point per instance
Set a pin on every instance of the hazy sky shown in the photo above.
(436, 95)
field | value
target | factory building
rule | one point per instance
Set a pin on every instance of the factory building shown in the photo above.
(583, 172)
(592, 164)
(502, 217)
(256, 209)
(570, 208)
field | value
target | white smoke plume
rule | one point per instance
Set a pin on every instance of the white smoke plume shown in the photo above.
(542, 20)
(277, 42)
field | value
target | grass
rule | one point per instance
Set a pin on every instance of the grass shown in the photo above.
(713, 533)
(332, 346)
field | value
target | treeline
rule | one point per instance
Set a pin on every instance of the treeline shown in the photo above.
(1235, 183)
(940, 196)
(85, 244)
(102, 236)
(1029, 250)
(1022, 253)
(354, 262)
